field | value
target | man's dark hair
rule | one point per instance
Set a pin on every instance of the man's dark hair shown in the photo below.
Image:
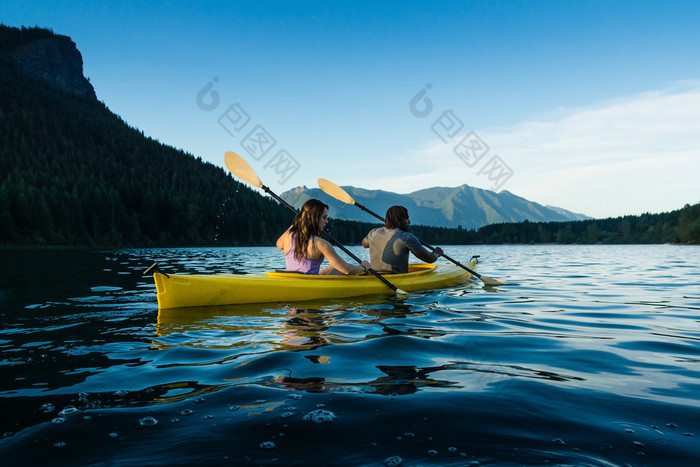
(395, 216)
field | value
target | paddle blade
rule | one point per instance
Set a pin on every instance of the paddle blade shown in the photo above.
(335, 191)
(491, 281)
(241, 169)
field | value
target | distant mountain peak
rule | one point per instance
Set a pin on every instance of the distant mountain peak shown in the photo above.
(295, 190)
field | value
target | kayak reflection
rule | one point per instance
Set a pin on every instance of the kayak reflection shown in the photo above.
(261, 328)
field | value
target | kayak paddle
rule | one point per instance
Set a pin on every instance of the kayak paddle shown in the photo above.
(338, 193)
(240, 168)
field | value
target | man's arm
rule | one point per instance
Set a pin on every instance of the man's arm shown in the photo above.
(365, 241)
(422, 253)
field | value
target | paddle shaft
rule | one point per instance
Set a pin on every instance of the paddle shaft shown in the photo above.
(332, 240)
(421, 241)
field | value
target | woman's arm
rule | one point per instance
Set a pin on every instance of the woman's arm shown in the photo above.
(336, 261)
(283, 242)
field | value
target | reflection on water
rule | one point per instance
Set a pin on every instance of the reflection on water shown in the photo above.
(589, 356)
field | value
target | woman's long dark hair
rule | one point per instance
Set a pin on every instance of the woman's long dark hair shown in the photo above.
(305, 225)
(395, 216)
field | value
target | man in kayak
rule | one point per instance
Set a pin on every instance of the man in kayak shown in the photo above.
(304, 249)
(389, 245)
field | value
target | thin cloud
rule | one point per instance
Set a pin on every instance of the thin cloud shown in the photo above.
(630, 155)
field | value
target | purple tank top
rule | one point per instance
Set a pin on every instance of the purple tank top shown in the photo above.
(305, 265)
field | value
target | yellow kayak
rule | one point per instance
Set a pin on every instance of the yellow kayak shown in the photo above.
(177, 291)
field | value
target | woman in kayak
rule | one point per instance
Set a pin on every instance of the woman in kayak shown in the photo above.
(304, 249)
(389, 245)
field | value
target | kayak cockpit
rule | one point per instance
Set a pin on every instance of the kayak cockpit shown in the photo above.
(413, 271)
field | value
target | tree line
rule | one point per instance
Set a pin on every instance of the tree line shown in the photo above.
(680, 226)
(11, 38)
(75, 174)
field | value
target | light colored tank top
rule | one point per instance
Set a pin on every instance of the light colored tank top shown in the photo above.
(305, 265)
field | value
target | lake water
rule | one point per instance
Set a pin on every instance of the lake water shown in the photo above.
(589, 356)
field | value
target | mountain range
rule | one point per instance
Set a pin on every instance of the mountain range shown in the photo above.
(463, 206)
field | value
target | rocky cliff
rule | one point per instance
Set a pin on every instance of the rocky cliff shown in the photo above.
(54, 59)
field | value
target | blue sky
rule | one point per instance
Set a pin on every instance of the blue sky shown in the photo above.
(593, 106)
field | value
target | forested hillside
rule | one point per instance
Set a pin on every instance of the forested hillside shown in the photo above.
(73, 173)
